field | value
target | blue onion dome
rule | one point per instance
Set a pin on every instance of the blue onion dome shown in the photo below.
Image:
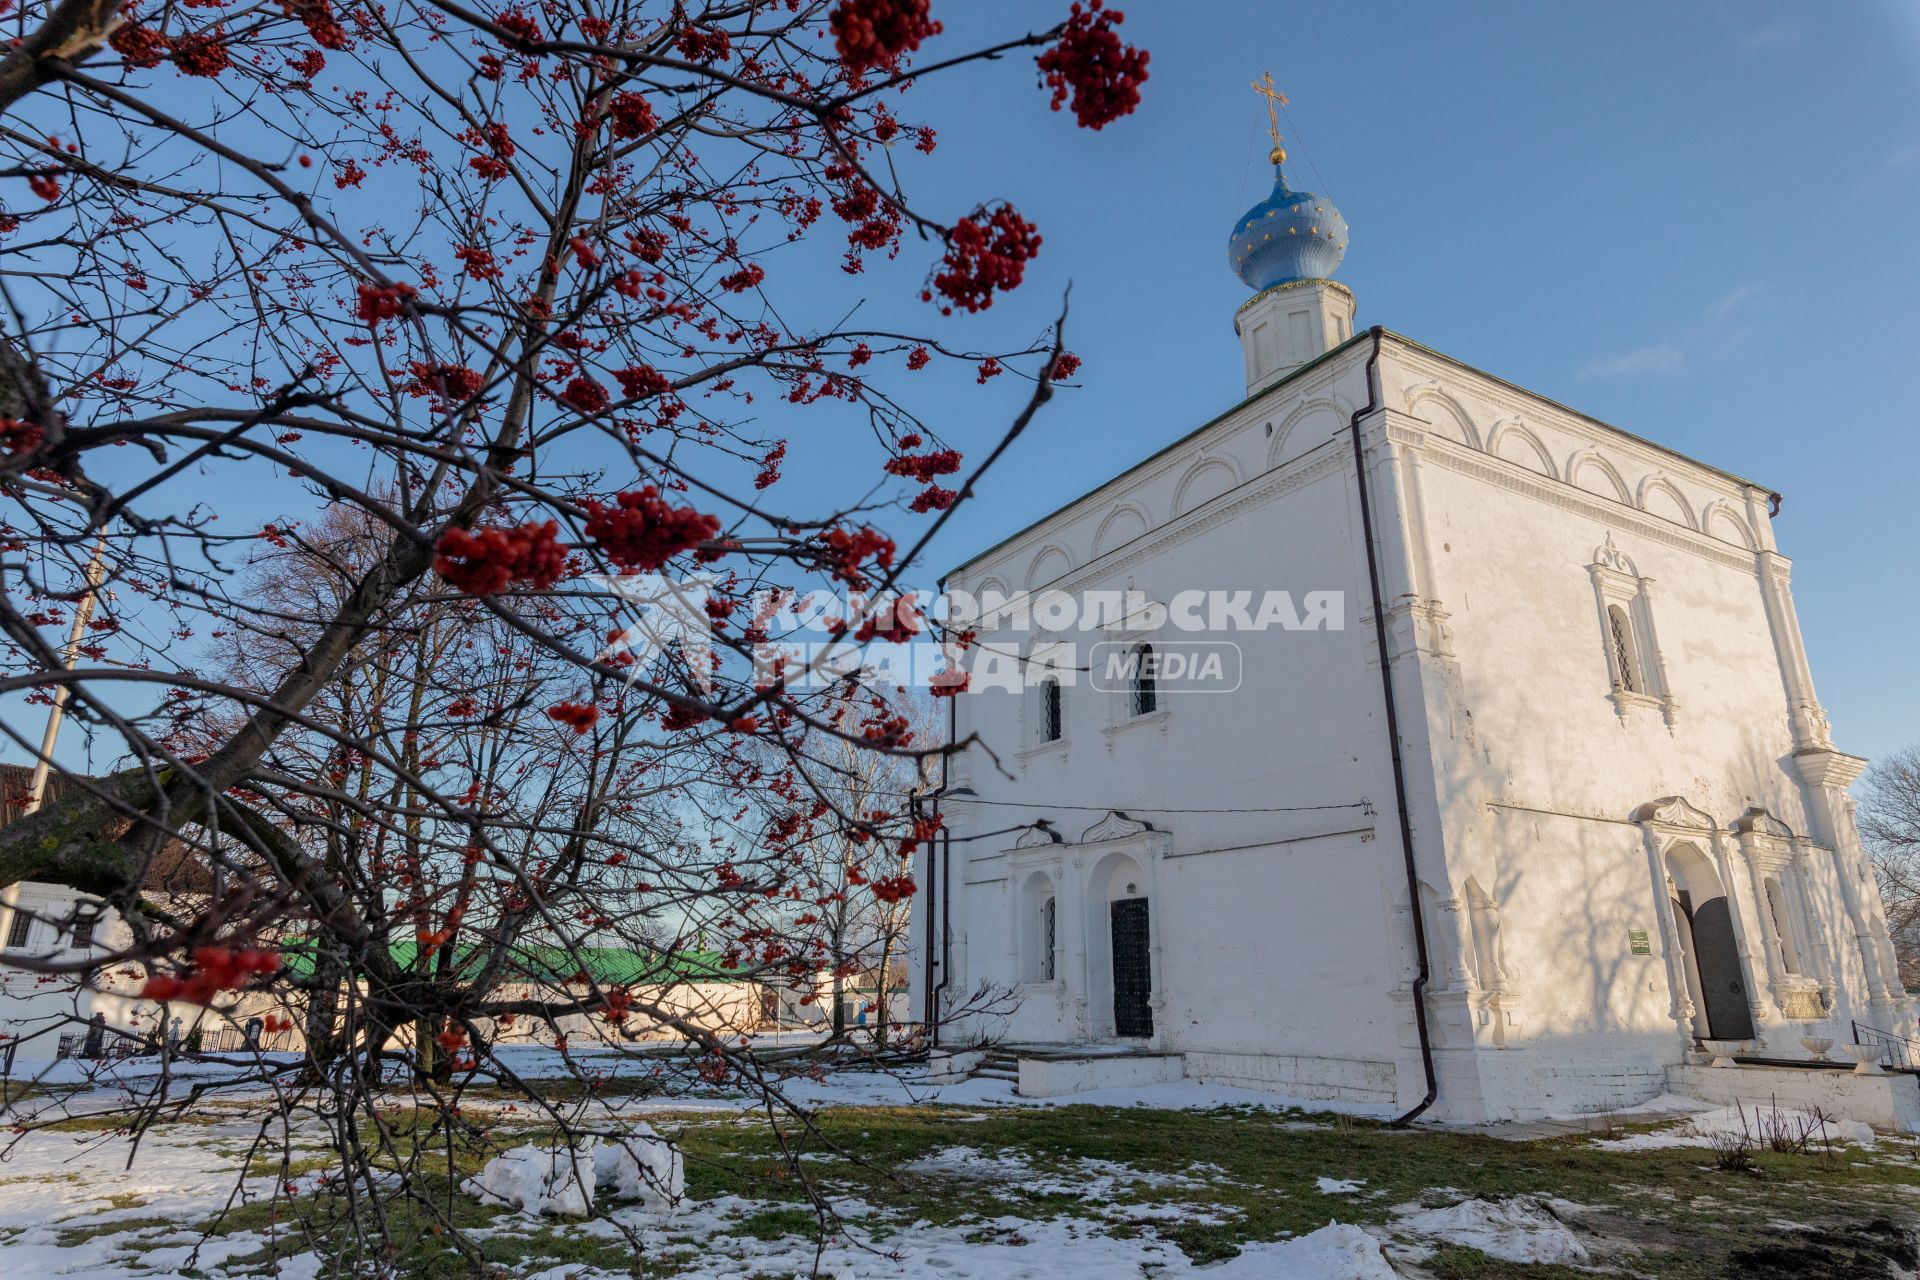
(1291, 235)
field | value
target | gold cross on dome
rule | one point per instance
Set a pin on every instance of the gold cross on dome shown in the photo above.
(1275, 100)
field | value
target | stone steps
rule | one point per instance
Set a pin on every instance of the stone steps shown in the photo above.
(998, 1065)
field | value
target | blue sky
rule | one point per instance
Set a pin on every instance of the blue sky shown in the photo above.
(1695, 221)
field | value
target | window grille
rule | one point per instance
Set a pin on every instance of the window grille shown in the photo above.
(1146, 696)
(1049, 932)
(1052, 711)
(1622, 648)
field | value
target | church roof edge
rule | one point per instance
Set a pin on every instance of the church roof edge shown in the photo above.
(1356, 340)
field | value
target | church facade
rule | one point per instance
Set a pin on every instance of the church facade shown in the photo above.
(1588, 820)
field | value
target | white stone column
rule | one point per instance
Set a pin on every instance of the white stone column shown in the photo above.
(1827, 774)
(1680, 1008)
(1804, 713)
(1452, 944)
(1071, 922)
(1743, 927)
(1769, 928)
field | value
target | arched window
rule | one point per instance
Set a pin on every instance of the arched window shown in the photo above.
(1049, 937)
(1146, 697)
(1038, 928)
(1053, 721)
(1620, 630)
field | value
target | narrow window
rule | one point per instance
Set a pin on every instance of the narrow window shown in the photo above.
(83, 932)
(1146, 699)
(1052, 717)
(1049, 932)
(21, 927)
(1782, 926)
(1622, 638)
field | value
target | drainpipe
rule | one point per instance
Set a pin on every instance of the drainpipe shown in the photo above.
(934, 993)
(1393, 734)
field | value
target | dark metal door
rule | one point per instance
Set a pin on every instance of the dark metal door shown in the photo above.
(1132, 969)
(1728, 1015)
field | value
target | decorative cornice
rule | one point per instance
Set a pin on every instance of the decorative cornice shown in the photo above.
(1608, 556)
(1825, 767)
(1282, 287)
(1674, 811)
(1431, 366)
(1512, 476)
(1039, 835)
(1302, 385)
(1757, 821)
(1115, 826)
(1254, 493)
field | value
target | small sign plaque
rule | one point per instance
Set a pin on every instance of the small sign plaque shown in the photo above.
(1637, 942)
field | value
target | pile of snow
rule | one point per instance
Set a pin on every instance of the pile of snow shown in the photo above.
(1520, 1229)
(1759, 1124)
(641, 1166)
(1337, 1251)
(536, 1180)
(1339, 1186)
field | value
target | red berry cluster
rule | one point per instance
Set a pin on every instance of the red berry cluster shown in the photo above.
(586, 395)
(985, 251)
(321, 24)
(632, 116)
(704, 45)
(1104, 75)
(874, 33)
(383, 302)
(204, 53)
(577, 716)
(140, 46)
(893, 888)
(451, 381)
(17, 437)
(214, 969)
(1065, 366)
(925, 466)
(487, 561)
(642, 380)
(642, 531)
(845, 552)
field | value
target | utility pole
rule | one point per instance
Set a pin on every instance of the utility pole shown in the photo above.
(69, 658)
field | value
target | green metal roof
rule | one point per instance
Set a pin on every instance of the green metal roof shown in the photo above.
(607, 966)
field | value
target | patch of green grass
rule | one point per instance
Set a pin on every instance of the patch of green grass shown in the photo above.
(71, 1236)
(1456, 1262)
(773, 1224)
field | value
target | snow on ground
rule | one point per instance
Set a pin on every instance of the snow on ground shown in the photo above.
(1011, 1248)
(50, 1182)
(1723, 1124)
(1516, 1229)
(1662, 1104)
(182, 1174)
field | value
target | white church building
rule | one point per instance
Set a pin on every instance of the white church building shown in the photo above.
(1589, 819)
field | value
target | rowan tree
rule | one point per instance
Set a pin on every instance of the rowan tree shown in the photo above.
(362, 344)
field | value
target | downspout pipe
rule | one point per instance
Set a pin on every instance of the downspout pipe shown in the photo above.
(1393, 733)
(937, 943)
